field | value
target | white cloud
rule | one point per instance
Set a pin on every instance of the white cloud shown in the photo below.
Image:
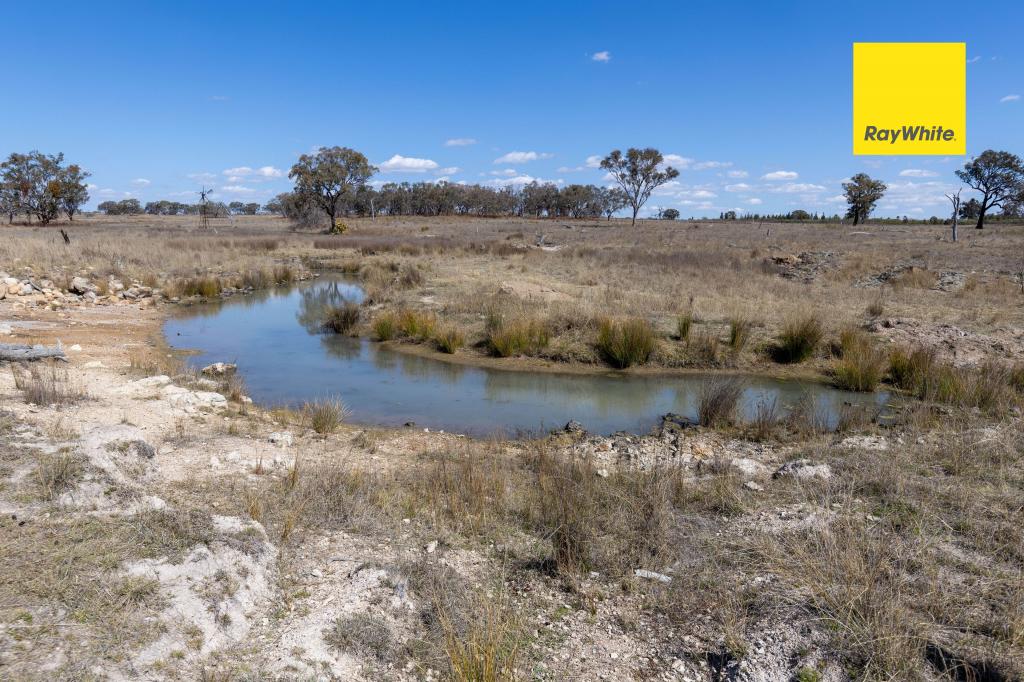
(701, 194)
(521, 180)
(407, 164)
(973, 60)
(202, 176)
(1009, 98)
(703, 165)
(677, 162)
(508, 172)
(602, 56)
(594, 161)
(141, 182)
(754, 201)
(738, 187)
(237, 189)
(459, 142)
(780, 175)
(450, 170)
(263, 172)
(917, 173)
(522, 157)
(799, 188)
(737, 174)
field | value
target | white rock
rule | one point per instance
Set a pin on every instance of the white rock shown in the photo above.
(75, 348)
(651, 575)
(280, 438)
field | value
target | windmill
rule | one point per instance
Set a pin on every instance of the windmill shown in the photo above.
(204, 203)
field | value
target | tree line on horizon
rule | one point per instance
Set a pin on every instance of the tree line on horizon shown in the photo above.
(334, 181)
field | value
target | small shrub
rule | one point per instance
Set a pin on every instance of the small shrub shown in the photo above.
(410, 276)
(56, 473)
(449, 340)
(799, 339)
(719, 400)
(684, 325)
(325, 416)
(340, 319)
(626, 343)
(363, 635)
(739, 333)
(385, 326)
(861, 365)
(523, 336)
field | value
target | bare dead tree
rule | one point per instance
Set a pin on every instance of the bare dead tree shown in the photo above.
(955, 200)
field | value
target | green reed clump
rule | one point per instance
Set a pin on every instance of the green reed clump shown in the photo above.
(799, 339)
(861, 364)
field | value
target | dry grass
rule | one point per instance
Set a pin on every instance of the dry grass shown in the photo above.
(718, 401)
(325, 416)
(56, 473)
(861, 365)
(520, 336)
(626, 343)
(799, 339)
(343, 318)
(46, 384)
(449, 340)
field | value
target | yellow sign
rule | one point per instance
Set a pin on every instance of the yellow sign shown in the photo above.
(909, 98)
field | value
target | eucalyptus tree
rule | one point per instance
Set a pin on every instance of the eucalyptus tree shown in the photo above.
(998, 176)
(330, 177)
(73, 191)
(638, 173)
(862, 193)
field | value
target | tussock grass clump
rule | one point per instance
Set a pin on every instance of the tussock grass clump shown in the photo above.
(520, 336)
(908, 368)
(417, 326)
(740, 329)
(325, 416)
(861, 364)
(684, 325)
(469, 488)
(704, 349)
(626, 343)
(612, 524)
(410, 276)
(385, 326)
(362, 634)
(799, 339)
(46, 385)
(719, 401)
(283, 274)
(56, 473)
(205, 286)
(171, 532)
(449, 340)
(341, 319)
(766, 420)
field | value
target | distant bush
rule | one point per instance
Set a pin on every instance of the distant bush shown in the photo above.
(625, 343)
(799, 339)
(207, 287)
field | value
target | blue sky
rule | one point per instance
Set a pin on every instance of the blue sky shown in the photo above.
(751, 99)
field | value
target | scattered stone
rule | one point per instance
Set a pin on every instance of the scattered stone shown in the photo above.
(219, 369)
(280, 438)
(804, 469)
(753, 485)
(80, 285)
(651, 575)
(75, 348)
(748, 467)
(574, 427)
(431, 547)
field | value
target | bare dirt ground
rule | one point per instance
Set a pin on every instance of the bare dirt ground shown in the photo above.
(158, 526)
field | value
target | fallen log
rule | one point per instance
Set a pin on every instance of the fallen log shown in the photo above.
(18, 352)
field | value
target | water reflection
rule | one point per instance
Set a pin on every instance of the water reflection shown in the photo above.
(274, 338)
